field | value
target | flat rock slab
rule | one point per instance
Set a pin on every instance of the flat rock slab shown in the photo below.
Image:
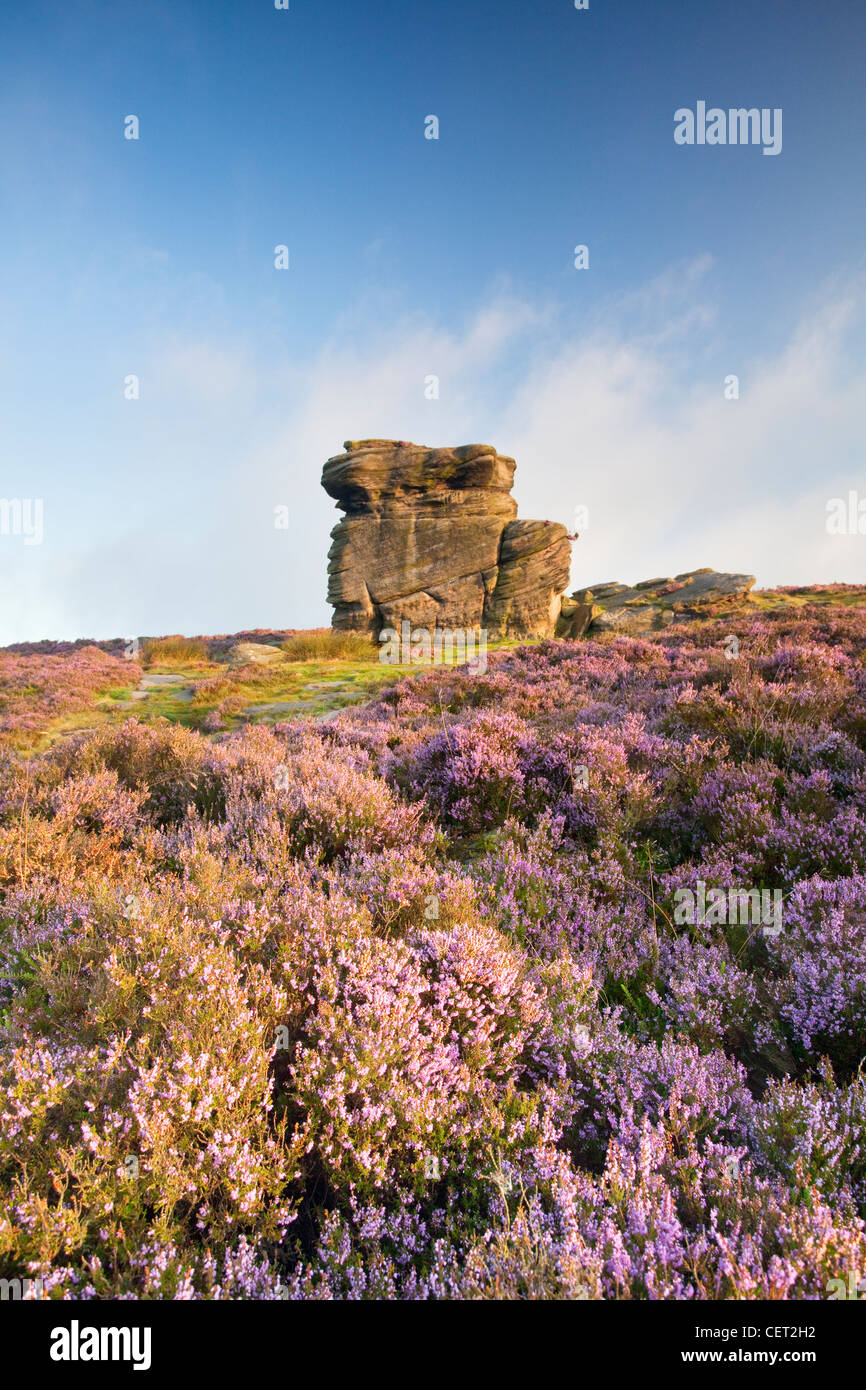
(275, 707)
(327, 685)
(372, 471)
(149, 685)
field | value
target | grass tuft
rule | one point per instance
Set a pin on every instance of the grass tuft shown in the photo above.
(171, 650)
(328, 646)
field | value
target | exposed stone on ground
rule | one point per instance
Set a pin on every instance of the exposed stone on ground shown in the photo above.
(255, 653)
(150, 684)
(575, 618)
(430, 536)
(653, 604)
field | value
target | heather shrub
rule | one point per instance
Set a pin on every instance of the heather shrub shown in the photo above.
(703, 992)
(818, 970)
(416, 1055)
(402, 1005)
(266, 786)
(471, 773)
(124, 1141)
(813, 1134)
(211, 688)
(98, 803)
(37, 689)
(692, 1096)
(403, 888)
(163, 760)
(553, 898)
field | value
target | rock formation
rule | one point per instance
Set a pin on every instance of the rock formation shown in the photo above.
(430, 536)
(652, 604)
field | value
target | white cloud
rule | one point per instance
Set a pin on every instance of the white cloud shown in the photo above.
(676, 476)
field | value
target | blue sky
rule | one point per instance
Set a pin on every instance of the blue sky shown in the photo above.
(412, 257)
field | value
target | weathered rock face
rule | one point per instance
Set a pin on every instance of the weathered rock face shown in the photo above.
(430, 536)
(534, 561)
(652, 604)
(575, 617)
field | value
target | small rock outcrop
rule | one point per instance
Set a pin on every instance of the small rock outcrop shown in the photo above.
(653, 604)
(431, 536)
(254, 654)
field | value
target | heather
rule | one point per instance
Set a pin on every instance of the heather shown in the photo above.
(405, 1004)
(37, 689)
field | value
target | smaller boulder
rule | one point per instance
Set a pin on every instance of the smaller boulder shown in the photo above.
(254, 654)
(575, 618)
